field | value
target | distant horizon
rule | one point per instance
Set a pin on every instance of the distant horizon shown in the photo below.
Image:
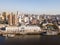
(27, 12)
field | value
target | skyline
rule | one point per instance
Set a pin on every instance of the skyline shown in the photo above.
(31, 6)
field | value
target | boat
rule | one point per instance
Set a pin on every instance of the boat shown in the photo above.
(10, 35)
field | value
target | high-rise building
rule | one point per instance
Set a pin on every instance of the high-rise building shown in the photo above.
(10, 19)
(13, 19)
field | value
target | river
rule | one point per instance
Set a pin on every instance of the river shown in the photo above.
(30, 40)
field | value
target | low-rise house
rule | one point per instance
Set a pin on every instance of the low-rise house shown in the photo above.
(23, 29)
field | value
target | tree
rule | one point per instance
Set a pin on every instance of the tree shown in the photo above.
(4, 15)
(52, 27)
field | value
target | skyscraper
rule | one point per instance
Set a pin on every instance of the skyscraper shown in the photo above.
(13, 19)
(10, 19)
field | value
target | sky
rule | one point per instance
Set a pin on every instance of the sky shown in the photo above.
(31, 6)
